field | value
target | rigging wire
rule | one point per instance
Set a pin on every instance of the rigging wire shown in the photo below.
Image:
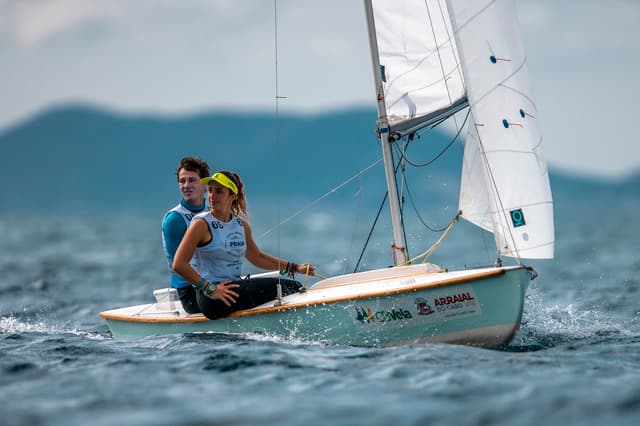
(452, 46)
(408, 190)
(373, 225)
(317, 200)
(277, 146)
(415, 210)
(355, 224)
(433, 32)
(441, 153)
(425, 256)
(405, 185)
(401, 163)
(277, 116)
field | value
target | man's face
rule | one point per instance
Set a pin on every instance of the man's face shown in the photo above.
(190, 187)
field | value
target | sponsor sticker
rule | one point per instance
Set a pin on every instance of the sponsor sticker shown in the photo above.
(434, 305)
(366, 315)
(456, 302)
(424, 308)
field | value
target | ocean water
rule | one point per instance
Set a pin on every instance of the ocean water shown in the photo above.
(575, 360)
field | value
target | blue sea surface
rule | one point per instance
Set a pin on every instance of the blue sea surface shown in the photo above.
(575, 360)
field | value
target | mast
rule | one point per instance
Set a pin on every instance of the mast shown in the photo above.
(399, 245)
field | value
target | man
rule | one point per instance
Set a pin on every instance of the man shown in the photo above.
(175, 222)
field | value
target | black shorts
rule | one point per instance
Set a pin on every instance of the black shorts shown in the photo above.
(188, 299)
(252, 292)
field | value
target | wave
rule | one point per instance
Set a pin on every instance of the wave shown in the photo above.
(14, 325)
(547, 326)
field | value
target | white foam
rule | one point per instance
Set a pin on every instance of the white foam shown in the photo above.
(13, 325)
(542, 321)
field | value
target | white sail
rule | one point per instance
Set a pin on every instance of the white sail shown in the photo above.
(505, 185)
(421, 79)
(436, 56)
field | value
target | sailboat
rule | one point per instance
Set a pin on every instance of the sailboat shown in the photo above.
(431, 60)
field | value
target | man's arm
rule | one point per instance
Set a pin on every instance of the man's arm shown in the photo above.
(173, 229)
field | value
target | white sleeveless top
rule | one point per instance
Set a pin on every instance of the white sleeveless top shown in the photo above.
(186, 214)
(221, 258)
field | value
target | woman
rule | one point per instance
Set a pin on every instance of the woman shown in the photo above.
(211, 253)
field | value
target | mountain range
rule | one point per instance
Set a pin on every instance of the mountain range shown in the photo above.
(78, 158)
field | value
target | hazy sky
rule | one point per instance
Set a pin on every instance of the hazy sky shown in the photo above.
(182, 56)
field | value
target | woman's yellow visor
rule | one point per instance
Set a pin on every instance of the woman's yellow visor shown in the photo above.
(222, 180)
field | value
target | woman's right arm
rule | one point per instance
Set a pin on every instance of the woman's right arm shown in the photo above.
(197, 233)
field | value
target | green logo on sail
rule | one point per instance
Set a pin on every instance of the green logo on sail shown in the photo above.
(517, 217)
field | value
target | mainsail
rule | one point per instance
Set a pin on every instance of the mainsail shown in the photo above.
(419, 66)
(436, 56)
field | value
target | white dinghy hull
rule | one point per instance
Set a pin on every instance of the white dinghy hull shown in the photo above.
(387, 307)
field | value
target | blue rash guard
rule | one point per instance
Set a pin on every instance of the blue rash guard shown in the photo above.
(174, 225)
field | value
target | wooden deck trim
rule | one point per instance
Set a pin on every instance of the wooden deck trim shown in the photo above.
(248, 312)
(380, 293)
(133, 318)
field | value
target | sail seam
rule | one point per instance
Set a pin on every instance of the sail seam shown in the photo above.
(501, 84)
(479, 12)
(445, 74)
(539, 203)
(519, 92)
(547, 244)
(433, 32)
